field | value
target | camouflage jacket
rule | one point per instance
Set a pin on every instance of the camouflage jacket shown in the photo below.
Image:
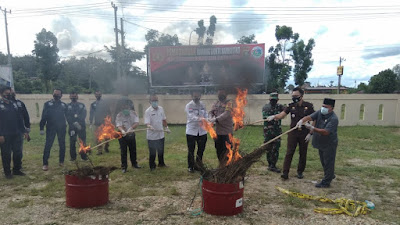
(272, 128)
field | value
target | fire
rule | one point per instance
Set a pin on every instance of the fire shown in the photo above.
(209, 128)
(238, 111)
(107, 131)
(83, 148)
(233, 150)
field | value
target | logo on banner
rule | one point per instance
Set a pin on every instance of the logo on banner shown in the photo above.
(257, 52)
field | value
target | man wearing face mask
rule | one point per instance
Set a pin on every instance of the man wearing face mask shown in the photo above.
(156, 122)
(220, 114)
(271, 130)
(53, 117)
(325, 138)
(301, 136)
(11, 130)
(99, 110)
(195, 112)
(127, 121)
(76, 115)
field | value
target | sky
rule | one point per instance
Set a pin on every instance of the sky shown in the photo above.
(363, 32)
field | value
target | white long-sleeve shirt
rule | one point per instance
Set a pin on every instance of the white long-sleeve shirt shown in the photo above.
(195, 112)
(155, 118)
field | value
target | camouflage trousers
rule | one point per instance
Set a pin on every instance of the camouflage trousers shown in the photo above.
(273, 152)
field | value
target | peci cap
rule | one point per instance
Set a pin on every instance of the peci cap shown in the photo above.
(329, 101)
(273, 95)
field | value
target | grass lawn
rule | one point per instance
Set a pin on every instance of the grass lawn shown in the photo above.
(367, 167)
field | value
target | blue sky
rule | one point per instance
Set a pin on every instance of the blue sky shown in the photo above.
(362, 32)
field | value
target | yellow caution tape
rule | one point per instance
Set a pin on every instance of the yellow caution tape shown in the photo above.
(346, 206)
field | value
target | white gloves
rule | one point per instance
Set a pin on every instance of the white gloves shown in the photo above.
(270, 118)
(77, 125)
(166, 129)
(72, 133)
(150, 127)
(212, 120)
(41, 132)
(299, 124)
(309, 126)
(123, 132)
(308, 137)
(130, 130)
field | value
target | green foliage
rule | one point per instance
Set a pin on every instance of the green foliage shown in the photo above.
(383, 82)
(127, 58)
(154, 39)
(396, 70)
(46, 52)
(302, 57)
(247, 40)
(201, 31)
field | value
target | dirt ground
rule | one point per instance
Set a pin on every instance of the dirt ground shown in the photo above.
(263, 204)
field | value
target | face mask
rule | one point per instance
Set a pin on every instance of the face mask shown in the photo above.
(196, 100)
(296, 99)
(13, 97)
(221, 97)
(154, 104)
(56, 97)
(273, 102)
(8, 97)
(324, 110)
(74, 99)
(126, 112)
(98, 98)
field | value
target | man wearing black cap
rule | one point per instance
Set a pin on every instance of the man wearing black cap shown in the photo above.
(325, 138)
(271, 130)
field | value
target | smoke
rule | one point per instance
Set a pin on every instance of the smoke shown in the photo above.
(65, 32)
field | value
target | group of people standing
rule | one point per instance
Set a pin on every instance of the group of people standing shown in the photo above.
(15, 125)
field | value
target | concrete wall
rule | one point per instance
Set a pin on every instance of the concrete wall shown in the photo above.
(174, 106)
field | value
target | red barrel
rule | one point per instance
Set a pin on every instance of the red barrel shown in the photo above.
(222, 199)
(86, 192)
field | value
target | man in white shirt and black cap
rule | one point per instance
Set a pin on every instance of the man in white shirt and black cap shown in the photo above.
(195, 112)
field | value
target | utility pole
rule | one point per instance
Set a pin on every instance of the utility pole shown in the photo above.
(116, 40)
(8, 45)
(122, 48)
(340, 72)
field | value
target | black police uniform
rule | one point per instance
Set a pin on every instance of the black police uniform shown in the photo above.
(53, 116)
(11, 128)
(24, 115)
(76, 113)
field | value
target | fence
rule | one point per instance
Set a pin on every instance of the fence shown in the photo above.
(352, 109)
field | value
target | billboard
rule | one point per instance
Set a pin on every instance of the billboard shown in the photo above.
(211, 65)
(6, 76)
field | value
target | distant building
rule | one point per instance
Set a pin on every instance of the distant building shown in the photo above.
(324, 90)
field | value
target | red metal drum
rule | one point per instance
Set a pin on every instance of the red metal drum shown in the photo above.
(86, 192)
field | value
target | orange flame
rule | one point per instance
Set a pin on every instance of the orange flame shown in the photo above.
(107, 131)
(209, 128)
(233, 150)
(83, 148)
(238, 111)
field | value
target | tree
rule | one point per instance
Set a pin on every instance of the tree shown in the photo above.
(127, 58)
(201, 31)
(278, 64)
(46, 52)
(303, 61)
(154, 39)
(247, 40)
(396, 70)
(383, 82)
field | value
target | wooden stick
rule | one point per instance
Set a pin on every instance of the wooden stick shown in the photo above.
(275, 138)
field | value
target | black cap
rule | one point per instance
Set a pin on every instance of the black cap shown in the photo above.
(329, 101)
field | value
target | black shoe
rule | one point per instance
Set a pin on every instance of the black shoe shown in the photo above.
(9, 176)
(300, 175)
(285, 176)
(19, 173)
(152, 169)
(274, 169)
(72, 160)
(136, 166)
(191, 170)
(322, 185)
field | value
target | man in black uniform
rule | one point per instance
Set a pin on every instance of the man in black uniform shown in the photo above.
(24, 115)
(298, 109)
(76, 114)
(99, 110)
(325, 138)
(11, 130)
(53, 116)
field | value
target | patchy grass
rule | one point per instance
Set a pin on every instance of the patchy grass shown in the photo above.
(366, 168)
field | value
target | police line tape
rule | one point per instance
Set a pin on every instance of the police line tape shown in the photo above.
(346, 206)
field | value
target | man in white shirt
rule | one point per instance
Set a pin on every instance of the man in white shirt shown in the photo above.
(195, 111)
(155, 120)
(127, 121)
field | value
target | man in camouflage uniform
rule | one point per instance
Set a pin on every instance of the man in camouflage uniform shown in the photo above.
(271, 130)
